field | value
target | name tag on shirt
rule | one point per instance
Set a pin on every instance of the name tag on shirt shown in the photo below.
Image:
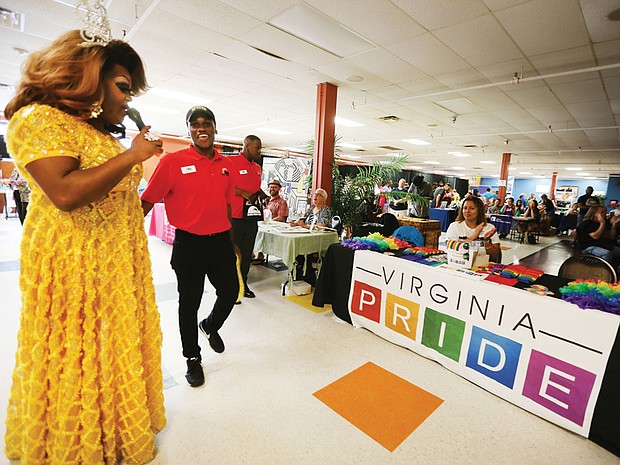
(243, 171)
(188, 169)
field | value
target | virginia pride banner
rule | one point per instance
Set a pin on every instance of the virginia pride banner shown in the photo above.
(540, 353)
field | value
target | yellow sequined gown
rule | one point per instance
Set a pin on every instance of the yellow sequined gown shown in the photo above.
(87, 385)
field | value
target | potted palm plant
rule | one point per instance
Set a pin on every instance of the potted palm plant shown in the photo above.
(352, 194)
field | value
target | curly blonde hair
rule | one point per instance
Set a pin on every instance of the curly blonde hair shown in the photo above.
(70, 77)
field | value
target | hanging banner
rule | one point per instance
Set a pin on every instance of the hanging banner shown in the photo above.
(540, 353)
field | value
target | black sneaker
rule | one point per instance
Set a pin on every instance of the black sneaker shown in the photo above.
(194, 376)
(248, 293)
(215, 341)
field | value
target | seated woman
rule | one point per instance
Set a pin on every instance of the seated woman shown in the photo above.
(568, 221)
(471, 225)
(318, 214)
(519, 208)
(509, 208)
(530, 227)
(594, 237)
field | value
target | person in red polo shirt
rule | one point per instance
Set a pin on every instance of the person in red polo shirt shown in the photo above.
(197, 187)
(247, 174)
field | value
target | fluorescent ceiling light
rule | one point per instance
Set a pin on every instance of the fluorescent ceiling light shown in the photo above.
(583, 174)
(274, 131)
(154, 108)
(459, 154)
(590, 177)
(350, 146)
(416, 142)
(574, 169)
(432, 162)
(457, 168)
(174, 95)
(347, 122)
(351, 156)
(415, 168)
(487, 162)
(313, 27)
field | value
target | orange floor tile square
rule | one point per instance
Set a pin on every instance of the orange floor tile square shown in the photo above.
(382, 405)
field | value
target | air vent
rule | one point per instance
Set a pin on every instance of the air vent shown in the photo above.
(360, 150)
(12, 19)
(477, 168)
(389, 118)
(272, 55)
(389, 147)
(470, 146)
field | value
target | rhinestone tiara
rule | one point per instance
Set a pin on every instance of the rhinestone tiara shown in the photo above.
(96, 30)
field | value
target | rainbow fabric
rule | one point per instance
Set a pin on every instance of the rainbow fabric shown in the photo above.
(591, 294)
(520, 272)
(422, 251)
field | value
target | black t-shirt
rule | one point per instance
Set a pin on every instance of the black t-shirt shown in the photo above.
(587, 200)
(585, 240)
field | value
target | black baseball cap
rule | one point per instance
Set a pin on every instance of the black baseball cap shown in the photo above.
(197, 112)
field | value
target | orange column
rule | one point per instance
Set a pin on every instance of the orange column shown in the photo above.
(503, 177)
(326, 95)
(554, 180)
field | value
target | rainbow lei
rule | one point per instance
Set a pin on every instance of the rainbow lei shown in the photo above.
(591, 294)
(375, 242)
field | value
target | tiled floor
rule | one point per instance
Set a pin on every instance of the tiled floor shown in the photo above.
(258, 404)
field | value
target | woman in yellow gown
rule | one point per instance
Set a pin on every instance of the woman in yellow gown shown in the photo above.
(87, 384)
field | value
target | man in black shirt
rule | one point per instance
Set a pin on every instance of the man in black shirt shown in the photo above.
(585, 201)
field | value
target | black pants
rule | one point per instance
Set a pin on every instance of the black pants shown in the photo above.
(193, 258)
(20, 206)
(244, 232)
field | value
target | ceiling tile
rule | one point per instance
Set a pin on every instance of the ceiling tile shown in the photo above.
(386, 65)
(480, 41)
(543, 26)
(268, 38)
(212, 14)
(442, 13)
(533, 97)
(388, 24)
(428, 54)
(579, 92)
(595, 14)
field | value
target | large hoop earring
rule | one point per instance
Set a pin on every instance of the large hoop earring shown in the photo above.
(96, 110)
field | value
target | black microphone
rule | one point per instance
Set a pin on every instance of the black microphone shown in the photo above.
(134, 115)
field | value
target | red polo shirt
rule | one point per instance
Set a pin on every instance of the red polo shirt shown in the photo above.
(247, 177)
(196, 190)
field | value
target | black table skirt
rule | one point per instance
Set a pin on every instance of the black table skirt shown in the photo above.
(333, 287)
(334, 281)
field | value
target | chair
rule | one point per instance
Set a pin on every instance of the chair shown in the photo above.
(586, 266)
